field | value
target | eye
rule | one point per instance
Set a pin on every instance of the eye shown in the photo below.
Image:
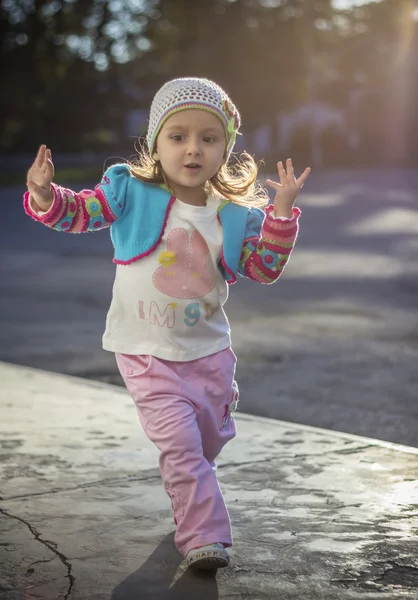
(177, 137)
(209, 139)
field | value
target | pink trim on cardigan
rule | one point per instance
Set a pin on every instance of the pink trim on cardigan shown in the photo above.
(135, 258)
(251, 239)
(227, 269)
(225, 266)
(109, 216)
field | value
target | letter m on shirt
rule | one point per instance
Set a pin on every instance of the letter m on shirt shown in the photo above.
(167, 318)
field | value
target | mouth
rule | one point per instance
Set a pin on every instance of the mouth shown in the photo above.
(193, 166)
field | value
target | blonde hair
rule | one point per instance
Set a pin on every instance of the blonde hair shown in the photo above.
(236, 183)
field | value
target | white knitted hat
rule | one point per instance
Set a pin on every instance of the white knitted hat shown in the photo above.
(192, 92)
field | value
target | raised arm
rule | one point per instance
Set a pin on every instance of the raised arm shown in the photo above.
(63, 209)
(265, 254)
(270, 239)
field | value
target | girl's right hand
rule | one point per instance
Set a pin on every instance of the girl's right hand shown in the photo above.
(40, 177)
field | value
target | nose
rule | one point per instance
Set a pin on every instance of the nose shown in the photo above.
(194, 146)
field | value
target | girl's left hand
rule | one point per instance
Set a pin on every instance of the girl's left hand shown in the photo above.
(288, 188)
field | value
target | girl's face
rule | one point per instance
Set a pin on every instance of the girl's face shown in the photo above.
(191, 149)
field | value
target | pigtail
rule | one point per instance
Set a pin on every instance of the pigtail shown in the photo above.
(238, 182)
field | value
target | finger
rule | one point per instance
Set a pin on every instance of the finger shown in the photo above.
(273, 184)
(49, 170)
(39, 163)
(289, 168)
(282, 173)
(40, 157)
(47, 158)
(301, 180)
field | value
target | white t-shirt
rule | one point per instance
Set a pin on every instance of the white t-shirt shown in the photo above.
(170, 303)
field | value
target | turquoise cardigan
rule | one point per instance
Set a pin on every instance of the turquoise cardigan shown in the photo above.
(137, 213)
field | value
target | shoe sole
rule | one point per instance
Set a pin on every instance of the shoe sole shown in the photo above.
(209, 563)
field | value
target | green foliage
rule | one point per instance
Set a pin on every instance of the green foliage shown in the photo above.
(73, 69)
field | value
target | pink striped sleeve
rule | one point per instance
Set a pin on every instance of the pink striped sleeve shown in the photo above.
(74, 212)
(264, 257)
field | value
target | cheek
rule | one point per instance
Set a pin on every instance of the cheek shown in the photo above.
(166, 157)
(219, 155)
(221, 159)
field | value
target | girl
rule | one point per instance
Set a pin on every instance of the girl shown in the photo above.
(183, 226)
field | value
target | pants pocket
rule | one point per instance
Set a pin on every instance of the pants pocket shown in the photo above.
(134, 365)
(230, 408)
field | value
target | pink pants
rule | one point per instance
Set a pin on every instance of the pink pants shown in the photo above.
(186, 409)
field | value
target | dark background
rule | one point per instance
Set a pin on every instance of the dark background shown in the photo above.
(326, 85)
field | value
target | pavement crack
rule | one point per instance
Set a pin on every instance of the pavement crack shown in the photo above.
(52, 546)
(293, 455)
(244, 464)
(353, 450)
(37, 562)
(340, 451)
(98, 483)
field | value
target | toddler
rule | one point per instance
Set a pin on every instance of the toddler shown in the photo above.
(184, 224)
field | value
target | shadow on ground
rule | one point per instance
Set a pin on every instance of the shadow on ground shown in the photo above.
(162, 578)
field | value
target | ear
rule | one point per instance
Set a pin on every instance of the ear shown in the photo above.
(155, 154)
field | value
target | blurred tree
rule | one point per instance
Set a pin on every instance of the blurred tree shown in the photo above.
(376, 60)
(256, 47)
(73, 69)
(55, 59)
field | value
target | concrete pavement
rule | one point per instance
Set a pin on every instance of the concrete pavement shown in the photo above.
(316, 514)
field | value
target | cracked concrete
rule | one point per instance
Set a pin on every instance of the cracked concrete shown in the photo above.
(52, 546)
(83, 515)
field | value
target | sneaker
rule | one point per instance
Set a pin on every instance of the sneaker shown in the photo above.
(212, 556)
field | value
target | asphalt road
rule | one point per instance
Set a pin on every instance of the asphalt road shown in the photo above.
(333, 344)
